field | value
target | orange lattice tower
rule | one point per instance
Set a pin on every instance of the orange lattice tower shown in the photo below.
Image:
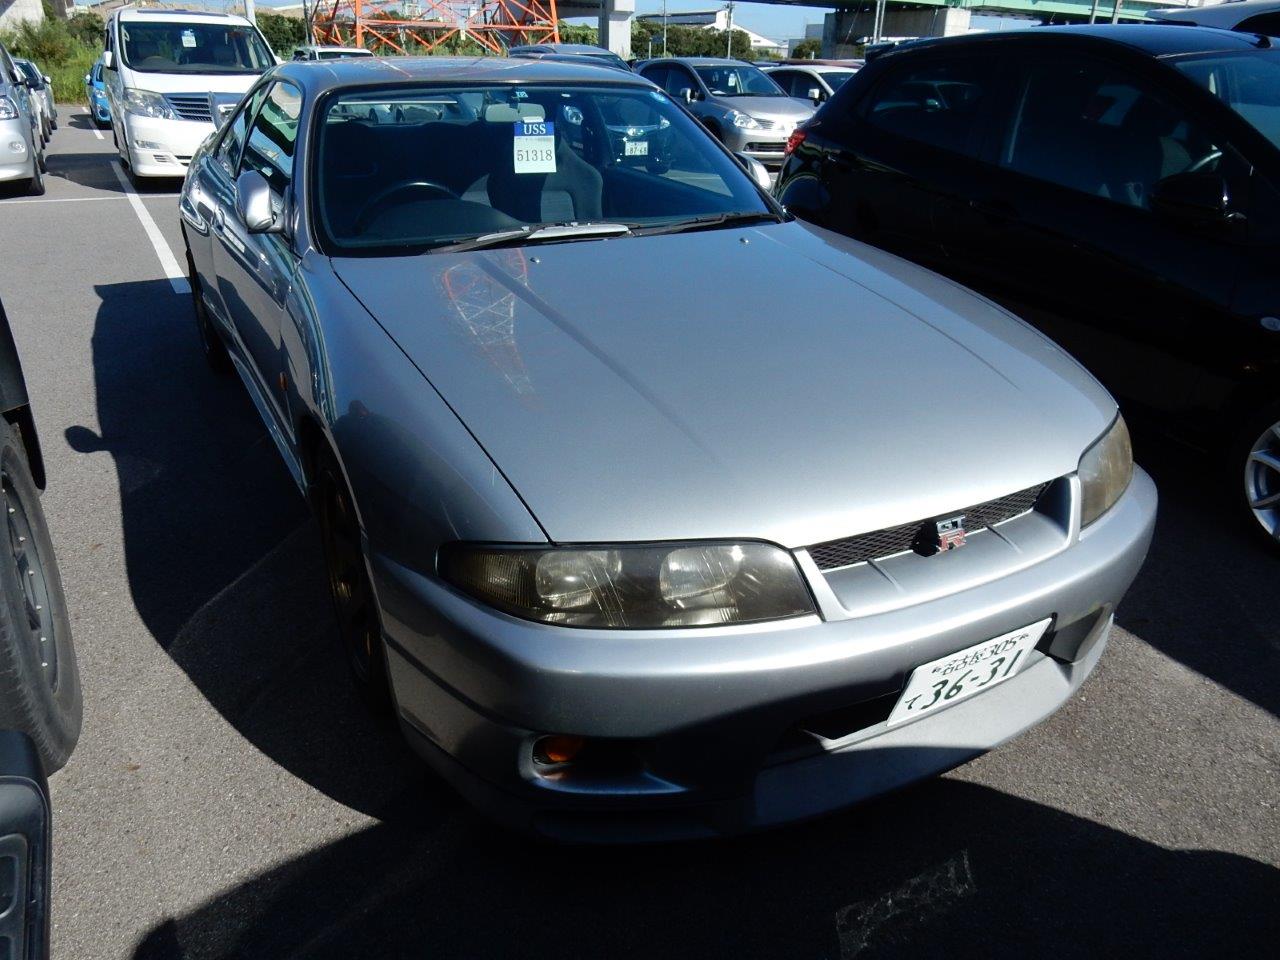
(389, 25)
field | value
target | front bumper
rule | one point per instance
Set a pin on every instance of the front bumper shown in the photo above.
(767, 146)
(162, 148)
(16, 164)
(707, 720)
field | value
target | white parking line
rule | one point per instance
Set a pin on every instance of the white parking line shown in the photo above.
(94, 126)
(61, 199)
(168, 263)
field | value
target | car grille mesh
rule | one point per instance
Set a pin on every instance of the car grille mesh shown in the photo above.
(191, 106)
(899, 539)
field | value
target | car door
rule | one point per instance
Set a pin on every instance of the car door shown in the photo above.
(1063, 232)
(680, 78)
(255, 270)
(907, 145)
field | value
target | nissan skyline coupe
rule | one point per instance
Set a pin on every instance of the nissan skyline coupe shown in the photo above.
(649, 511)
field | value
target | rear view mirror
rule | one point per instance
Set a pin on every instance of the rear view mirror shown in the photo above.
(815, 94)
(255, 203)
(1192, 197)
(108, 60)
(25, 833)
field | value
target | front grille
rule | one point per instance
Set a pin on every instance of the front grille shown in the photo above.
(191, 106)
(765, 147)
(892, 540)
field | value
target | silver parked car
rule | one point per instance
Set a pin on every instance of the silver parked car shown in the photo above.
(21, 146)
(812, 80)
(41, 88)
(628, 553)
(737, 102)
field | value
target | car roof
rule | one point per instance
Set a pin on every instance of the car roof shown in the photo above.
(321, 75)
(816, 67)
(1156, 40)
(701, 61)
(135, 14)
(585, 49)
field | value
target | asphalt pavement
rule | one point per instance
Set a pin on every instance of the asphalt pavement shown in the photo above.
(231, 798)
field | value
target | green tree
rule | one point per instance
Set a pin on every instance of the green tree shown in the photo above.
(282, 33)
(86, 26)
(808, 49)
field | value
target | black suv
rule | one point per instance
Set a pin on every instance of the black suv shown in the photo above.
(1116, 186)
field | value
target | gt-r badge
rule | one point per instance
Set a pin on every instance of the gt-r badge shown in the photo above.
(950, 533)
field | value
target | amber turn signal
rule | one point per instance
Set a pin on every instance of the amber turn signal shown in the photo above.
(557, 749)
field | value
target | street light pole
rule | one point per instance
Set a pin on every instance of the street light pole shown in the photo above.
(664, 27)
(728, 52)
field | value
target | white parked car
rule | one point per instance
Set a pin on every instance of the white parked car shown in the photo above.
(313, 52)
(169, 76)
(1248, 16)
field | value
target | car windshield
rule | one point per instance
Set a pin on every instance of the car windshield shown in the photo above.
(738, 81)
(343, 54)
(1247, 82)
(837, 78)
(177, 47)
(405, 170)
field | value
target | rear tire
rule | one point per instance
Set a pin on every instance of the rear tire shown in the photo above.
(39, 679)
(35, 186)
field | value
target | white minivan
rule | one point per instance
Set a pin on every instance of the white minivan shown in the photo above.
(169, 76)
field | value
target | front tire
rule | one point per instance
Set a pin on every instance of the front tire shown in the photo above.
(354, 604)
(215, 350)
(39, 678)
(35, 186)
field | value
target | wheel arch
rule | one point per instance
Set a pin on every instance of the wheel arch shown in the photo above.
(15, 405)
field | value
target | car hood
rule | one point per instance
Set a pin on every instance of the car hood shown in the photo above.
(780, 383)
(196, 82)
(770, 108)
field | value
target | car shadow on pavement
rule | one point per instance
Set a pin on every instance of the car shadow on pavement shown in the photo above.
(946, 869)
(1207, 594)
(222, 559)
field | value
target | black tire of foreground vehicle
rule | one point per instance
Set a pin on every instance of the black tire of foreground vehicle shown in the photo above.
(1258, 429)
(39, 679)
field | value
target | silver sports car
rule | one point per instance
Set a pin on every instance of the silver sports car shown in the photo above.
(650, 511)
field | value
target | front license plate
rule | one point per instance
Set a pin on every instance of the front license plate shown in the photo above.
(636, 148)
(957, 676)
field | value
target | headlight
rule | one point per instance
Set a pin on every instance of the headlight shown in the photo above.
(8, 109)
(746, 122)
(1105, 471)
(642, 586)
(147, 104)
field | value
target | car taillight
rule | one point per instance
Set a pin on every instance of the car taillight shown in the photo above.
(793, 141)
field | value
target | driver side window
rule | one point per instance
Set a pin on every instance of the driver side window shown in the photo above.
(1087, 126)
(229, 149)
(273, 135)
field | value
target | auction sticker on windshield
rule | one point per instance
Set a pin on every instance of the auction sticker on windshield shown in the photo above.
(535, 147)
(957, 676)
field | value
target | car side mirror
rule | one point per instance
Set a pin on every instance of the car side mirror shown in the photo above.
(46, 79)
(687, 95)
(108, 60)
(256, 204)
(815, 95)
(756, 170)
(26, 831)
(86, 78)
(1192, 198)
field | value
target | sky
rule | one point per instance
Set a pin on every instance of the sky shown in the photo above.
(772, 20)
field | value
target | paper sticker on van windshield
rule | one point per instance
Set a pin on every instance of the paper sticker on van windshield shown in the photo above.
(535, 147)
(188, 38)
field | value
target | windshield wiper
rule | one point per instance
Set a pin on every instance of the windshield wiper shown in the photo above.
(734, 218)
(538, 233)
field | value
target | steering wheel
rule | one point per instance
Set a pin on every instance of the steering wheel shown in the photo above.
(1208, 158)
(383, 198)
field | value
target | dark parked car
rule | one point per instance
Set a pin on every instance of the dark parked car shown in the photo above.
(1116, 186)
(40, 700)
